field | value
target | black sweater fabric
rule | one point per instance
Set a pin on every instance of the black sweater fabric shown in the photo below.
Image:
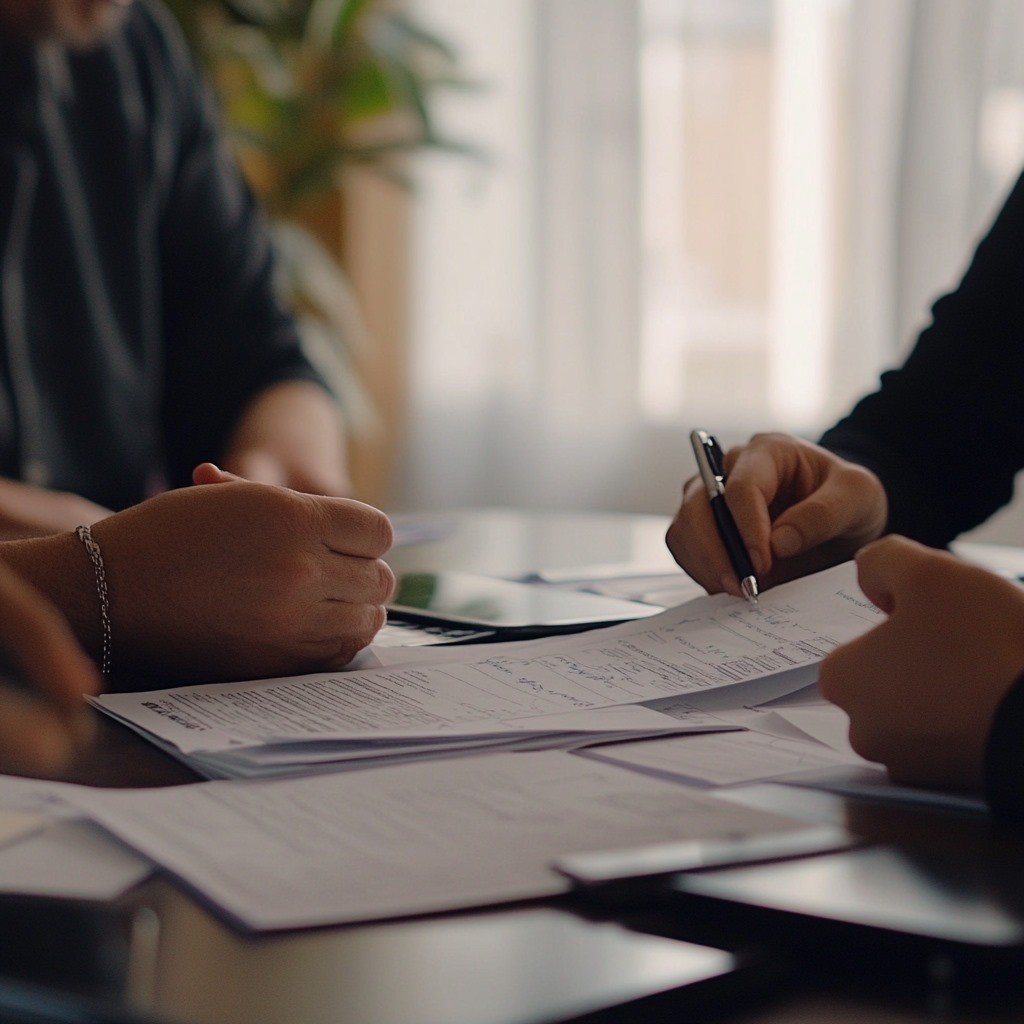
(138, 313)
(945, 431)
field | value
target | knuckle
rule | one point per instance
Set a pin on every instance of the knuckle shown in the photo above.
(292, 572)
(889, 545)
(675, 534)
(272, 507)
(320, 510)
(360, 623)
(360, 629)
(371, 526)
(769, 439)
(345, 651)
(814, 519)
(385, 582)
(382, 533)
(378, 618)
(848, 478)
(370, 582)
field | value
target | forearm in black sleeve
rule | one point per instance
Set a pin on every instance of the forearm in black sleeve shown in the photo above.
(1004, 757)
(945, 432)
(227, 335)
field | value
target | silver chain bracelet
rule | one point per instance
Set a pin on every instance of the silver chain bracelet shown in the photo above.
(84, 534)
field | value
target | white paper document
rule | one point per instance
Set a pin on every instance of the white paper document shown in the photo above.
(716, 651)
(33, 797)
(70, 860)
(773, 743)
(723, 759)
(15, 825)
(53, 854)
(404, 840)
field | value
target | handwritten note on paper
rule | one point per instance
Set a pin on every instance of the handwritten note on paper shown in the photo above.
(698, 649)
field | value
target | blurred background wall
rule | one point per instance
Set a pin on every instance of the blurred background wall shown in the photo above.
(675, 213)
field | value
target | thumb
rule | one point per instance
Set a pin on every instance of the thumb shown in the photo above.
(880, 566)
(208, 473)
(837, 510)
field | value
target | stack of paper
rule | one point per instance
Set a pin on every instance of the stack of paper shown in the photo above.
(408, 840)
(45, 850)
(667, 674)
(469, 831)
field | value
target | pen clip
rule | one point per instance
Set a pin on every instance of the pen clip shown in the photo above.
(709, 461)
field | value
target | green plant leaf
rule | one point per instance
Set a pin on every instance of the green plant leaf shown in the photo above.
(309, 85)
(351, 12)
(418, 34)
(364, 94)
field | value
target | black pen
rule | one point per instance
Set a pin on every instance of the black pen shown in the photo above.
(712, 472)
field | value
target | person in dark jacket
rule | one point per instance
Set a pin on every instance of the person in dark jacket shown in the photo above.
(140, 339)
(937, 692)
(140, 333)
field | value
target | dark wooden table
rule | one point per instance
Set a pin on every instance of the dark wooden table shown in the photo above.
(623, 960)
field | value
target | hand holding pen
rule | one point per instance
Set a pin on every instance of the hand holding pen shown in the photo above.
(800, 507)
(712, 472)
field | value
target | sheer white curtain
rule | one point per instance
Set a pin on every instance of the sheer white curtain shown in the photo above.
(523, 369)
(936, 140)
(529, 307)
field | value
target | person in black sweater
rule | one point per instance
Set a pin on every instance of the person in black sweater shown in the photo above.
(140, 329)
(936, 693)
(141, 337)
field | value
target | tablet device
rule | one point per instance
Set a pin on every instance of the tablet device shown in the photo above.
(468, 601)
(931, 916)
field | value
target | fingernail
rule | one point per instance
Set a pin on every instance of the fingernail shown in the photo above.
(786, 542)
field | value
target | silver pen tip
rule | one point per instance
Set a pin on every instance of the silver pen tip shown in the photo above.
(749, 587)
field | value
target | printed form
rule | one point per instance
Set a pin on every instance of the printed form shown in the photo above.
(714, 652)
(333, 849)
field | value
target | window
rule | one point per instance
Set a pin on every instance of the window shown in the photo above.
(740, 106)
(719, 213)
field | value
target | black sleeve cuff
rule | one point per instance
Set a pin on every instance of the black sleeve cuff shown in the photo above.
(915, 511)
(1004, 757)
